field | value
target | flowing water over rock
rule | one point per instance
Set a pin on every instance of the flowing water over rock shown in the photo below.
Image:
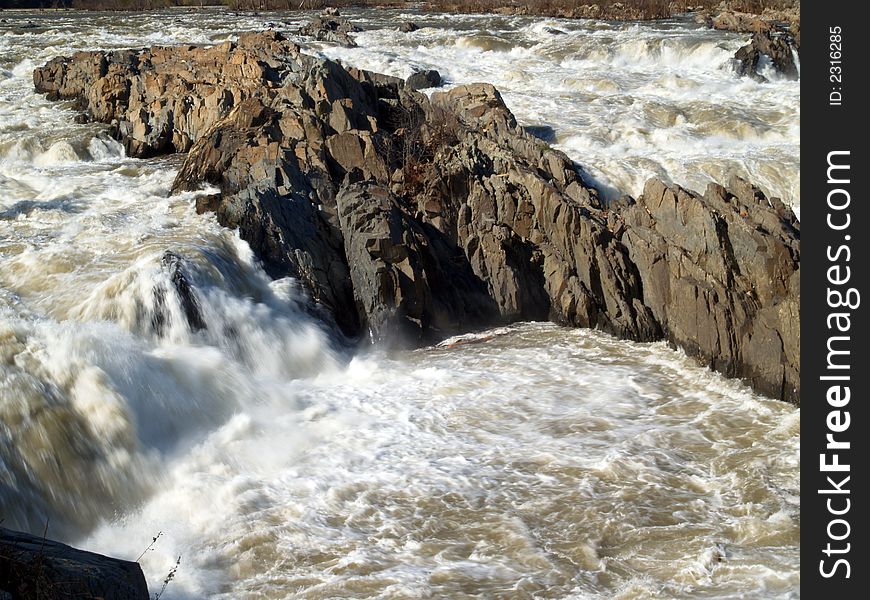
(187, 393)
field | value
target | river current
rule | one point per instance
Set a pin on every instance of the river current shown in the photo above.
(528, 461)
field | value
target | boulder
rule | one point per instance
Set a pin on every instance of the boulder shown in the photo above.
(332, 28)
(745, 62)
(422, 80)
(413, 217)
(777, 47)
(35, 568)
(408, 27)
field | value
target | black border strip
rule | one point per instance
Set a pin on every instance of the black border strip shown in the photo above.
(834, 221)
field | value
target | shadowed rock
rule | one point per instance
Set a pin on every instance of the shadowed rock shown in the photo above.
(174, 264)
(35, 568)
(422, 80)
(776, 47)
(413, 217)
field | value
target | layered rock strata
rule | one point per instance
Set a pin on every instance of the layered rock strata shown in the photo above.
(412, 217)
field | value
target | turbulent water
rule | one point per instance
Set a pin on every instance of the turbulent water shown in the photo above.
(531, 461)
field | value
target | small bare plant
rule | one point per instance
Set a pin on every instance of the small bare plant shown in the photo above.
(151, 545)
(169, 577)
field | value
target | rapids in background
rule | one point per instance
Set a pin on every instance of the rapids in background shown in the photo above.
(530, 460)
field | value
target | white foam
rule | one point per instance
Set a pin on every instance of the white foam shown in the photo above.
(511, 461)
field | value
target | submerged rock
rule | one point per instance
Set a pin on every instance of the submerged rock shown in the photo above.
(174, 264)
(34, 568)
(415, 218)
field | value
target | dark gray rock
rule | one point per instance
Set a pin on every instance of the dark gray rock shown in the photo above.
(777, 47)
(746, 62)
(721, 274)
(422, 80)
(408, 27)
(32, 568)
(182, 287)
(410, 282)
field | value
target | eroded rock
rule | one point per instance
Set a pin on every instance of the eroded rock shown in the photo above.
(413, 218)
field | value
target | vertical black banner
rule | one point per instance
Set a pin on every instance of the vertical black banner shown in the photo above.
(835, 424)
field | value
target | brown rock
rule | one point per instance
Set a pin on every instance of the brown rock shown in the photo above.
(414, 218)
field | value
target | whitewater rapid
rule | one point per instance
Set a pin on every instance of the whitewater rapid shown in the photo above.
(277, 460)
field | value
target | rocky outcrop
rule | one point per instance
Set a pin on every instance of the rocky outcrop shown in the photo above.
(721, 275)
(775, 35)
(414, 217)
(739, 22)
(36, 568)
(746, 61)
(176, 94)
(330, 27)
(777, 47)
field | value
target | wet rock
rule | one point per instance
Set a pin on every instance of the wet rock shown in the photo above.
(332, 28)
(33, 568)
(413, 217)
(411, 282)
(175, 265)
(776, 47)
(408, 27)
(746, 61)
(422, 80)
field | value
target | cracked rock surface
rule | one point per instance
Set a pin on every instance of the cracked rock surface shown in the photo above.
(413, 217)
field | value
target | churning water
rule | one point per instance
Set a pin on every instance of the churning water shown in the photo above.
(530, 461)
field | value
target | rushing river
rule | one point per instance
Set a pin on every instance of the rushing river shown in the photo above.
(530, 461)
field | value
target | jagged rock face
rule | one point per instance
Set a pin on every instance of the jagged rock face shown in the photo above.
(721, 274)
(776, 46)
(412, 217)
(163, 99)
